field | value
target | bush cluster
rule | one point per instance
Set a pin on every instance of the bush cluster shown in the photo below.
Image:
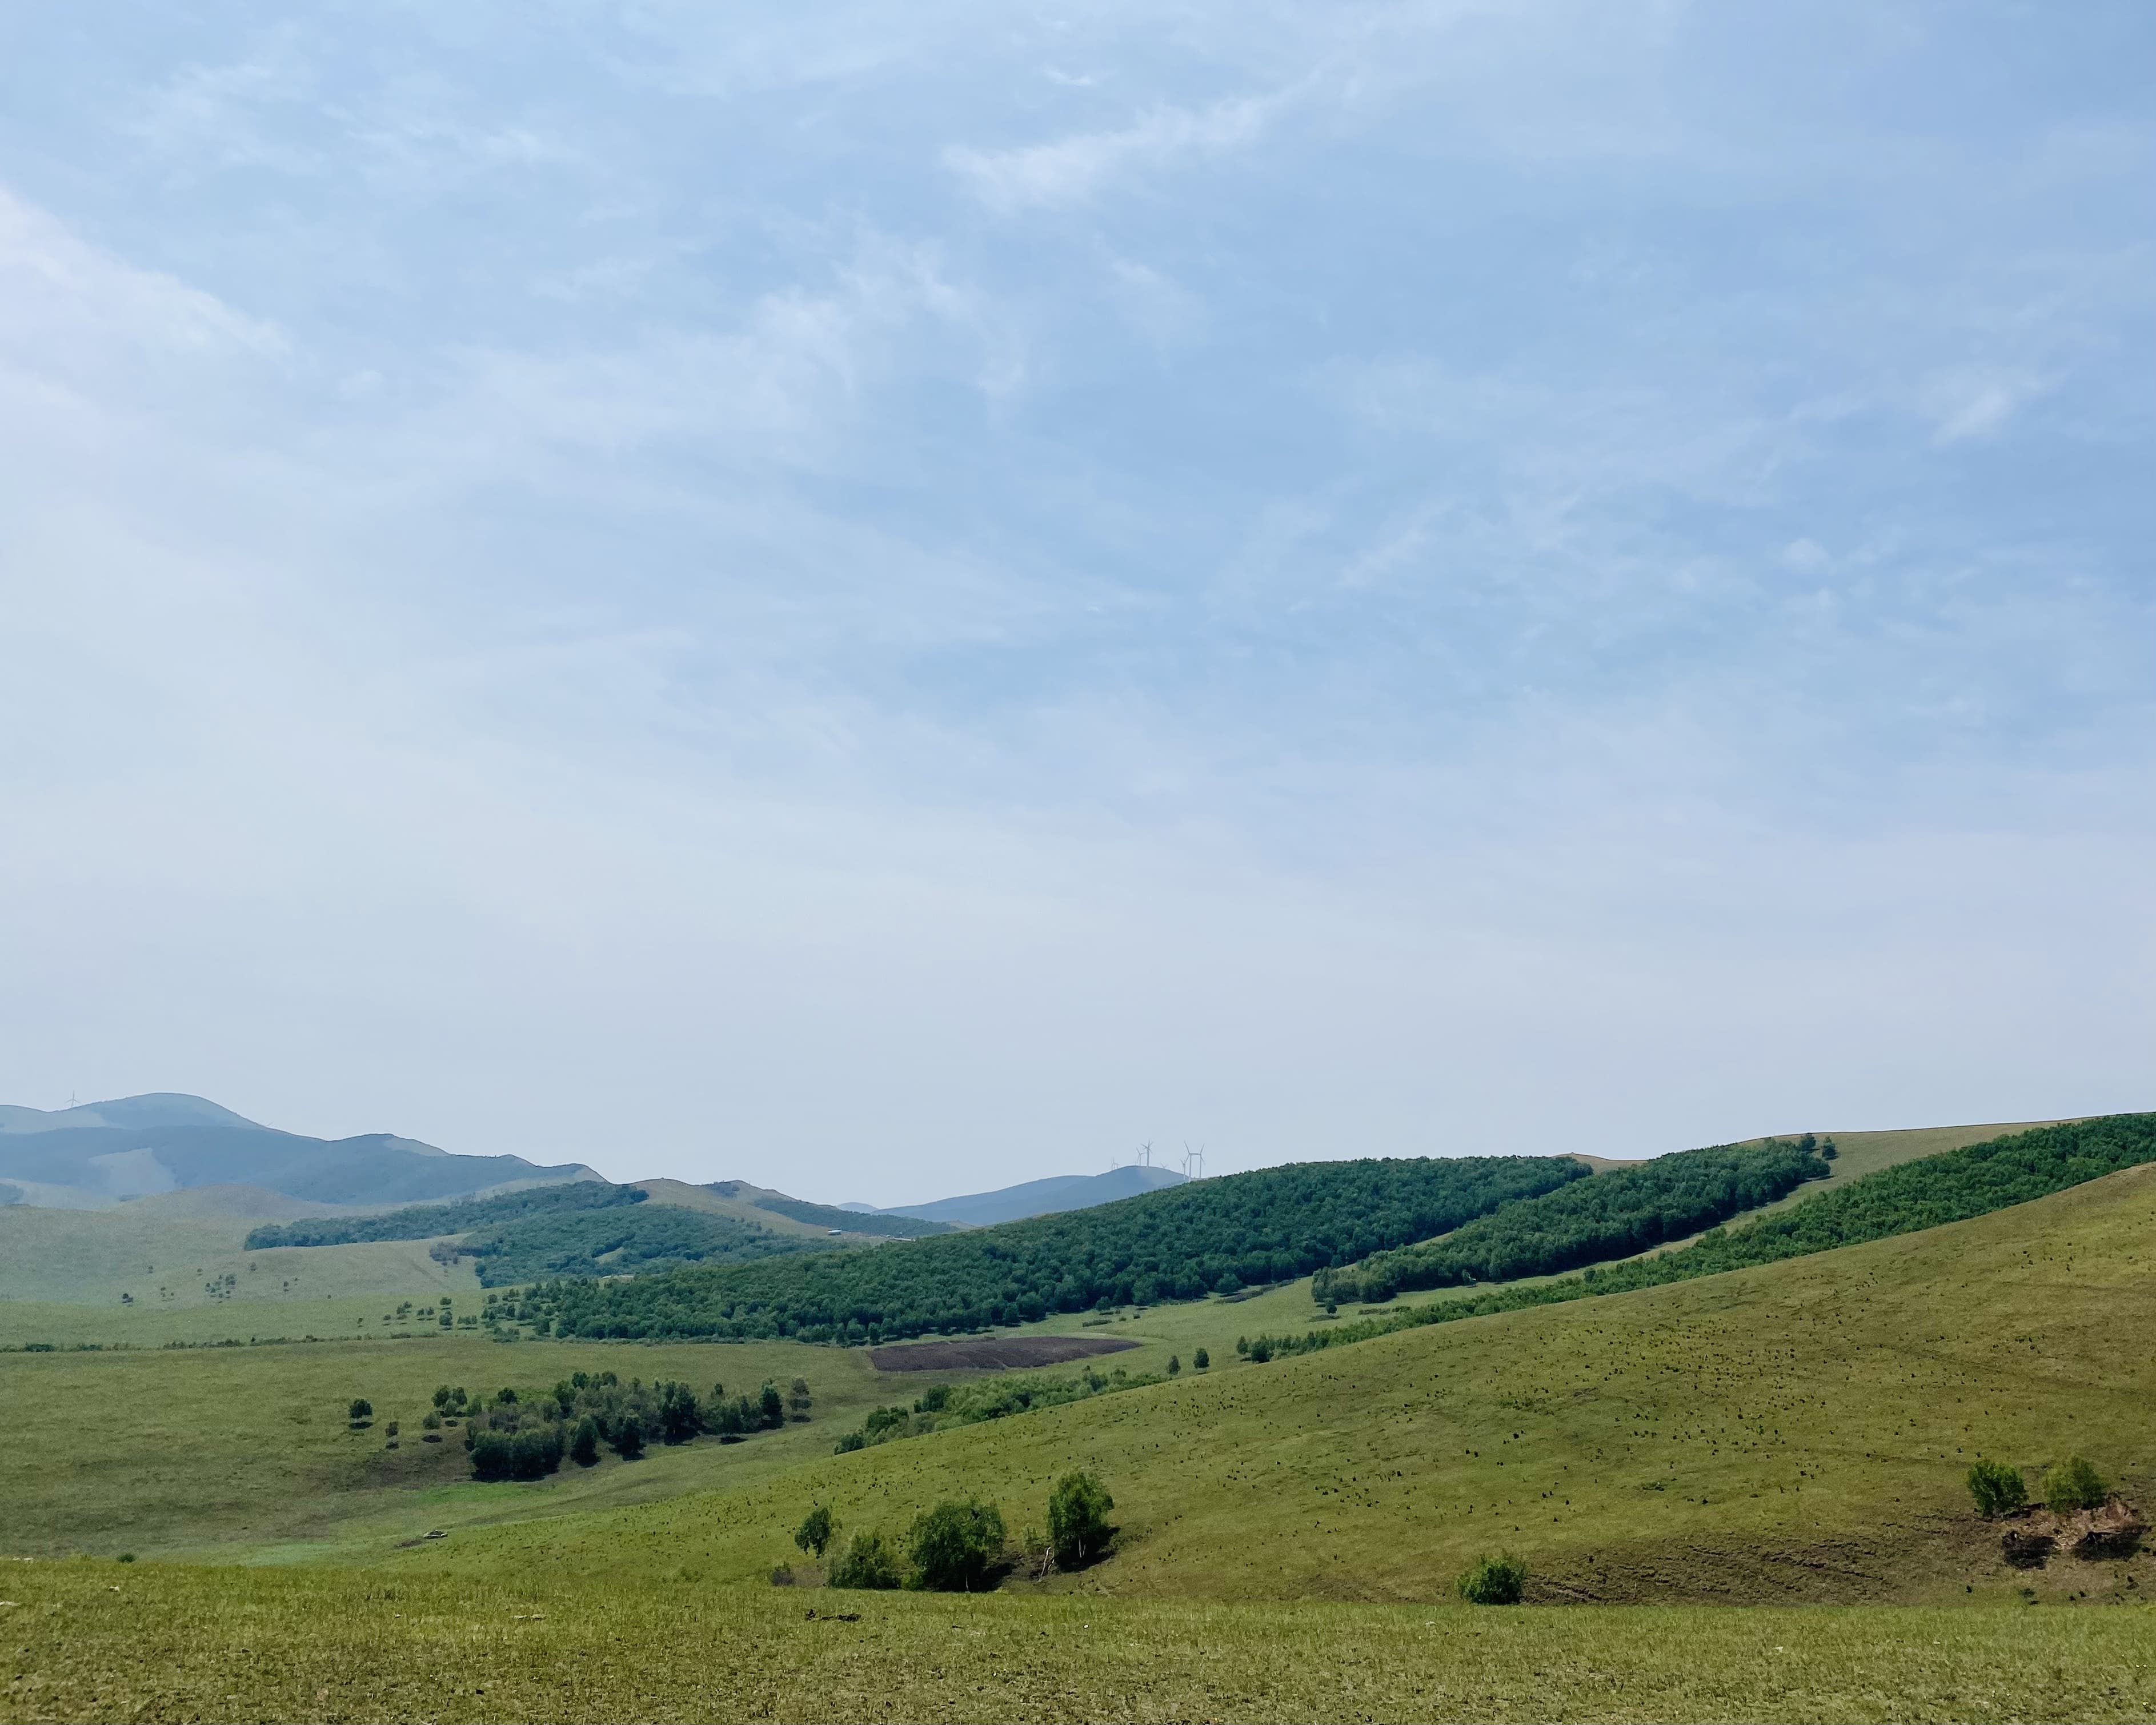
(1495, 1581)
(522, 1437)
(958, 1545)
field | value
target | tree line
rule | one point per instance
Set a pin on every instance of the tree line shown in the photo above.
(1954, 1186)
(429, 1221)
(1613, 1215)
(1210, 1236)
(961, 1545)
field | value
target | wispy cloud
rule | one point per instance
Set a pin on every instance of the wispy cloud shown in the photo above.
(1077, 168)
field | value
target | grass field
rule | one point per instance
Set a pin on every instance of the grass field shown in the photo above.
(1789, 1439)
(96, 1641)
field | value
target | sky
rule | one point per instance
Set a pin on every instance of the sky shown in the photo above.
(887, 601)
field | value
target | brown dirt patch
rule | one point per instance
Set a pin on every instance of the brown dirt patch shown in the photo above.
(994, 1354)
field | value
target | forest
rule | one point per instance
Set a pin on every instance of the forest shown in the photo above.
(619, 1240)
(824, 1215)
(1953, 1187)
(1211, 1236)
(1613, 1215)
(427, 1221)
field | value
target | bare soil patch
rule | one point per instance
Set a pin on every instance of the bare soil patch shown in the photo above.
(993, 1354)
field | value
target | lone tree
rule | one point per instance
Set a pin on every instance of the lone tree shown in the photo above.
(1996, 1488)
(1078, 1519)
(953, 1544)
(869, 1561)
(362, 1409)
(1495, 1581)
(815, 1533)
(1200, 1359)
(1174, 1364)
(2073, 1484)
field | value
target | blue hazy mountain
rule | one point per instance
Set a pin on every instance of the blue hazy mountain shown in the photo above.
(1035, 1197)
(137, 1146)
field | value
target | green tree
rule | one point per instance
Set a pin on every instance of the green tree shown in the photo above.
(815, 1533)
(869, 1561)
(1996, 1487)
(953, 1544)
(771, 1405)
(584, 1446)
(1174, 1364)
(441, 1397)
(1078, 1519)
(629, 1438)
(1200, 1359)
(362, 1408)
(1495, 1581)
(2073, 1484)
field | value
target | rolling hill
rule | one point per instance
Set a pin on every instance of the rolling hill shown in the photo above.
(104, 1152)
(1034, 1198)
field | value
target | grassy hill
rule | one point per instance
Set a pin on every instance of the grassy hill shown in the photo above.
(1792, 1433)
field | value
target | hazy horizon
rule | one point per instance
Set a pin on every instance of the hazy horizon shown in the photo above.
(890, 605)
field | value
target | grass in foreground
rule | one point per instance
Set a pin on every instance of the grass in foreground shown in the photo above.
(101, 1641)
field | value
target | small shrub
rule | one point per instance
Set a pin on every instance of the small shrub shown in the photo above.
(815, 1533)
(2073, 1484)
(782, 1575)
(851, 1441)
(361, 1411)
(1174, 1364)
(1078, 1519)
(1996, 1488)
(1261, 1350)
(953, 1544)
(390, 1430)
(1200, 1359)
(1495, 1581)
(432, 1422)
(869, 1561)
(127, 1557)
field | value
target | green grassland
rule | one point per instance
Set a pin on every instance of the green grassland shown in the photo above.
(94, 1641)
(1788, 1438)
(245, 1451)
(1792, 1433)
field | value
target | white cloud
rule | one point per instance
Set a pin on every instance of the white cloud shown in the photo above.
(1077, 168)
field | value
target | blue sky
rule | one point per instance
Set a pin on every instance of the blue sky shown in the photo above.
(890, 600)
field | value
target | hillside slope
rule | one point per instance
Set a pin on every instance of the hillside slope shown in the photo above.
(1793, 1432)
(1036, 1197)
(103, 1152)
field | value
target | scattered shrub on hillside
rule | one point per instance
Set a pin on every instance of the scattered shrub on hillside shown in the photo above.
(851, 1441)
(1175, 1365)
(127, 1557)
(1260, 1350)
(2073, 1484)
(431, 1422)
(1200, 1359)
(953, 1545)
(390, 1430)
(985, 1399)
(1242, 1344)
(1996, 1488)
(868, 1562)
(798, 1401)
(1495, 1581)
(361, 1411)
(815, 1533)
(1078, 1519)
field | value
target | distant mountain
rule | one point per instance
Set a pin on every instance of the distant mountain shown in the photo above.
(104, 1152)
(1035, 1197)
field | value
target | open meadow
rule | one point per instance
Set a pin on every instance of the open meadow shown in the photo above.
(1739, 1496)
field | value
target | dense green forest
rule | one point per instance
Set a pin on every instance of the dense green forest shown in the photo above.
(824, 1215)
(618, 1240)
(1612, 1215)
(426, 1221)
(1952, 1187)
(1211, 1236)
(514, 1436)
